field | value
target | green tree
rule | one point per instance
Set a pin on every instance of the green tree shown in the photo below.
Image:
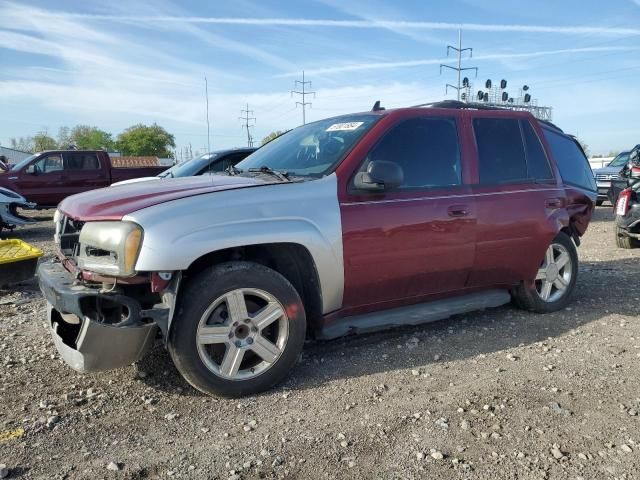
(272, 135)
(90, 138)
(42, 141)
(142, 140)
(64, 137)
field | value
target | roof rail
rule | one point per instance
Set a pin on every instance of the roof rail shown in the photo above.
(456, 104)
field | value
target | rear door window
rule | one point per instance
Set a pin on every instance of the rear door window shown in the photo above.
(537, 162)
(501, 152)
(573, 165)
(81, 161)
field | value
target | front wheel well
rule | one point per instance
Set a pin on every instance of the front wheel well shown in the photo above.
(571, 234)
(293, 261)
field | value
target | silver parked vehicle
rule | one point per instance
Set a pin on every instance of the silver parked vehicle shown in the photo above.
(605, 175)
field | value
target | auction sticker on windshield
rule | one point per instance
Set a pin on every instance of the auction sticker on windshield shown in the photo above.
(344, 126)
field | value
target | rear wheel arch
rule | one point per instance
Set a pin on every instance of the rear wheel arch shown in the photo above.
(292, 260)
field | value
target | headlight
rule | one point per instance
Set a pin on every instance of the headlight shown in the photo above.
(110, 248)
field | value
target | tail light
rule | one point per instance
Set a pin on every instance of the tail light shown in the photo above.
(622, 205)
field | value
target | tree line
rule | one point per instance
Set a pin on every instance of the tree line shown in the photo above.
(137, 140)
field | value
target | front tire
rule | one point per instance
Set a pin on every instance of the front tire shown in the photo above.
(238, 329)
(555, 280)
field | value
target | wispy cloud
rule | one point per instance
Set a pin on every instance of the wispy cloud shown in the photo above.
(363, 24)
(436, 61)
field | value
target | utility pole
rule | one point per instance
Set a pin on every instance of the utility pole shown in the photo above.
(206, 94)
(246, 116)
(459, 68)
(303, 92)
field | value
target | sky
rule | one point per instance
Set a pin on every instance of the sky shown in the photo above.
(113, 64)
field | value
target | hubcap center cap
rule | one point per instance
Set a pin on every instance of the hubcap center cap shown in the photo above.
(552, 272)
(242, 331)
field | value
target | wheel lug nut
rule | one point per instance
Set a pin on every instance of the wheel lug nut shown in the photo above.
(235, 324)
(230, 334)
(238, 343)
(249, 340)
(254, 329)
(247, 320)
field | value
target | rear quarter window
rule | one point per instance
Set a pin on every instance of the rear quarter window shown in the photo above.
(573, 165)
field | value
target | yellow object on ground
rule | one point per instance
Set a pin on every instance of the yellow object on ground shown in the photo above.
(18, 261)
(16, 251)
(11, 434)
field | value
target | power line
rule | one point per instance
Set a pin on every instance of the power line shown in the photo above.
(246, 116)
(303, 84)
(206, 93)
(459, 68)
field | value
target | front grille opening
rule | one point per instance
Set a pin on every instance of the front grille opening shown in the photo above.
(105, 311)
(70, 236)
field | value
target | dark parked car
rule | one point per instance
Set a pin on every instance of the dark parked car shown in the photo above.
(345, 225)
(606, 175)
(47, 178)
(214, 162)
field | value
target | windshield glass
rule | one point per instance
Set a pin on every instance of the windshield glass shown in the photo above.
(313, 149)
(620, 161)
(22, 163)
(190, 167)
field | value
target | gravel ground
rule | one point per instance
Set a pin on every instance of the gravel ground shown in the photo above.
(498, 394)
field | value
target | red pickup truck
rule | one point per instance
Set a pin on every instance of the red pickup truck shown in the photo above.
(47, 178)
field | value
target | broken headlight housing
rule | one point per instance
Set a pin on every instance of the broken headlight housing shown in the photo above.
(110, 248)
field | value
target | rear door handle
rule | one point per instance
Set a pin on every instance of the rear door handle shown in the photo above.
(553, 203)
(458, 211)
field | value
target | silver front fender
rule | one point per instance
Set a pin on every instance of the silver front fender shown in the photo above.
(306, 213)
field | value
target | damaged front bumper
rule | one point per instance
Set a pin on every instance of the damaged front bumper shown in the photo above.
(81, 320)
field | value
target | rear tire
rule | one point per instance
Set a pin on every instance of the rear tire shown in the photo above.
(555, 280)
(625, 241)
(238, 330)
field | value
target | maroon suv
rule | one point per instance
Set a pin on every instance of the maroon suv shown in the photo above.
(340, 226)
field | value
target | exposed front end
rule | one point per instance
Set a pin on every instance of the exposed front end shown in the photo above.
(101, 313)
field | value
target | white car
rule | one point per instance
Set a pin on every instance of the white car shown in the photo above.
(212, 162)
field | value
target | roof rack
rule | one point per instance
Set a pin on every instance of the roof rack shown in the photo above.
(456, 104)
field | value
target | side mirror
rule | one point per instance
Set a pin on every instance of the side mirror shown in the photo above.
(380, 175)
(31, 170)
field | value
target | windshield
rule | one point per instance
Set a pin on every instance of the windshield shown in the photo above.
(313, 149)
(190, 167)
(620, 161)
(22, 163)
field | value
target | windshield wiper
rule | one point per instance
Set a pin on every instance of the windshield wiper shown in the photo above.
(232, 170)
(284, 176)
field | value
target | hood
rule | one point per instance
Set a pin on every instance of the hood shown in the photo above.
(113, 203)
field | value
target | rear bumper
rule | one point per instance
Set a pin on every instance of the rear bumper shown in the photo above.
(631, 221)
(84, 341)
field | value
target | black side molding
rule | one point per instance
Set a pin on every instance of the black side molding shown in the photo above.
(414, 314)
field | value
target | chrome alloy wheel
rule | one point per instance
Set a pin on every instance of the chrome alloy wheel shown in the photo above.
(554, 276)
(242, 334)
